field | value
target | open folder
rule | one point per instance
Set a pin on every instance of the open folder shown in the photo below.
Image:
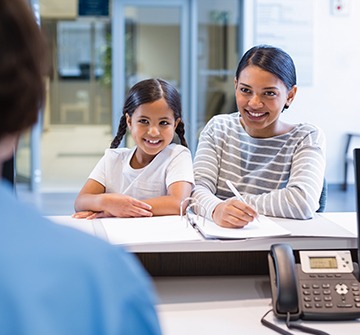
(263, 227)
(171, 228)
(190, 227)
(175, 228)
(156, 229)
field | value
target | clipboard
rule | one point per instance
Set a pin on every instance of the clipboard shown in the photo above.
(262, 228)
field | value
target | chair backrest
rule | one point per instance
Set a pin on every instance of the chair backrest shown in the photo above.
(323, 198)
(8, 170)
(357, 195)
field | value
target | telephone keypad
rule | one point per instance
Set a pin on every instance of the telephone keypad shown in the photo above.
(331, 292)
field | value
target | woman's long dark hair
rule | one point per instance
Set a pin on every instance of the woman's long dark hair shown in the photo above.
(146, 91)
(270, 59)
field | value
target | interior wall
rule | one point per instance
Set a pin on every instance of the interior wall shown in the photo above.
(154, 56)
(331, 101)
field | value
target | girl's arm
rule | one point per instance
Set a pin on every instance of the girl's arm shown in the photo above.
(170, 203)
(92, 197)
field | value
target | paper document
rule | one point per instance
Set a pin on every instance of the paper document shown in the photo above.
(155, 229)
(264, 227)
(318, 226)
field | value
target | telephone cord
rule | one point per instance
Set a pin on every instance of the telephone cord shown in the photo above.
(304, 329)
(290, 325)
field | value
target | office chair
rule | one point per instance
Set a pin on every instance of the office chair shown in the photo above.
(348, 155)
(323, 198)
(8, 171)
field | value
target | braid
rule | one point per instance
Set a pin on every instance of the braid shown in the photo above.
(180, 130)
(120, 133)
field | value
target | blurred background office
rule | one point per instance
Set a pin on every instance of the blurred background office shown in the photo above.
(100, 48)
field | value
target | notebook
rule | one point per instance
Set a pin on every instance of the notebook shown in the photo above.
(261, 228)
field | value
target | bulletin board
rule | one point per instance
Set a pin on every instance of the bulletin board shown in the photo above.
(288, 25)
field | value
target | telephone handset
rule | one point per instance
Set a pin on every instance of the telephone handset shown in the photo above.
(322, 287)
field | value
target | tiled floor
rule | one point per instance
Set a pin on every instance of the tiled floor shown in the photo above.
(63, 203)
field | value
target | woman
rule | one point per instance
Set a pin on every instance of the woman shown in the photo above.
(277, 167)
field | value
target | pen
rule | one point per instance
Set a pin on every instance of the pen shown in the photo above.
(237, 194)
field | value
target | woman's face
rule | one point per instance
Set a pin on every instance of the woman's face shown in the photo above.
(260, 98)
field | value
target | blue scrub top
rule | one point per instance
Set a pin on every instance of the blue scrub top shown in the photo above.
(56, 280)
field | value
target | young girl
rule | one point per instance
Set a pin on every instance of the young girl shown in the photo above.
(153, 177)
(277, 167)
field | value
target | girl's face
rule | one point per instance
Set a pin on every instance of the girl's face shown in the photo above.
(152, 127)
(260, 98)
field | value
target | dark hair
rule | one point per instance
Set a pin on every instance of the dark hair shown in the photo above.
(22, 67)
(270, 59)
(146, 91)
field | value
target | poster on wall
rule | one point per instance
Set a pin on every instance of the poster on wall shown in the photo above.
(289, 26)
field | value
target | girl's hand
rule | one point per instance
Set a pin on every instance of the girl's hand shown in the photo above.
(83, 214)
(123, 206)
(99, 215)
(233, 213)
(116, 205)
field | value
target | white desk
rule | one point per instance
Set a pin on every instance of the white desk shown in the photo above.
(343, 226)
(222, 257)
(232, 304)
(225, 305)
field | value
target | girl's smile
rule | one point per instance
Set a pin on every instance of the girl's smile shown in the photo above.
(152, 127)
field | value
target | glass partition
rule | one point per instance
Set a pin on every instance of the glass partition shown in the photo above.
(95, 60)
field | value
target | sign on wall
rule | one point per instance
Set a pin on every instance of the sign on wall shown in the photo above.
(93, 7)
(289, 26)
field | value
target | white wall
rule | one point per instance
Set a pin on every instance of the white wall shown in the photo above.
(331, 102)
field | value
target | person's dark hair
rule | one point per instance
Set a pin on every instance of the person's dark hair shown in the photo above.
(270, 59)
(23, 65)
(146, 91)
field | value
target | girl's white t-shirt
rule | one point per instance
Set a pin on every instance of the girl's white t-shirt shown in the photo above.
(114, 172)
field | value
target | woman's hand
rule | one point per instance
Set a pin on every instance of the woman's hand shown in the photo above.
(233, 213)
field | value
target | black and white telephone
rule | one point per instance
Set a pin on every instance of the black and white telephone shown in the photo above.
(322, 286)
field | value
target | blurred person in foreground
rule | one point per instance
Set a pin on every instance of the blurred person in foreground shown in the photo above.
(53, 279)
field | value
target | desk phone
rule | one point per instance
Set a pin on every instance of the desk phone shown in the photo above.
(322, 287)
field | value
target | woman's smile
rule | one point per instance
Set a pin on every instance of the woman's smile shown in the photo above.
(255, 115)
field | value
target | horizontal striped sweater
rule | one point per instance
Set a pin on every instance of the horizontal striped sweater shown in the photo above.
(281, 176)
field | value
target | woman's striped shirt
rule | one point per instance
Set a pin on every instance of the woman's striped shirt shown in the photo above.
(281, 176)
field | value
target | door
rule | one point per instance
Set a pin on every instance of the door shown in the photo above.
(150, 39)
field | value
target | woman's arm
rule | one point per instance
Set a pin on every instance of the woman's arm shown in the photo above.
(297, 199)
(300, 198)
(208, 162)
